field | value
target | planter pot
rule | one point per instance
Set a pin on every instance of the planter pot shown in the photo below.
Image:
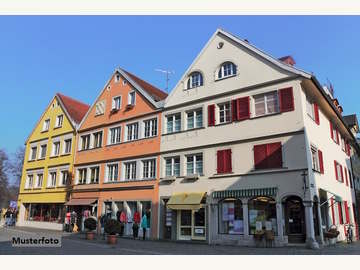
(111, 239)
(90, 235)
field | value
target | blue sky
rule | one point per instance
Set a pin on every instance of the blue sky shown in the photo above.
(75, 55)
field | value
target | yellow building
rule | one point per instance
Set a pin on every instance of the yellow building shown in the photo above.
(48, 164)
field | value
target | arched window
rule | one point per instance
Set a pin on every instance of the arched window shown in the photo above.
(262, 214)
(227, 69)
(195, 80)
(231, 220)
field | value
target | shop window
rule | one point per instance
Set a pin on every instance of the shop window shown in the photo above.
(44, 212)
(262, 214)
(231, 220)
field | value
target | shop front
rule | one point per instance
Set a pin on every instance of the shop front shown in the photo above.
(79, 210)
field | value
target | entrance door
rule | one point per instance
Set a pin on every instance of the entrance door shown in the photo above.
(191, 224)
(295, 220)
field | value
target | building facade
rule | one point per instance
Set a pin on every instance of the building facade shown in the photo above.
(117, 158)
(246, 147)
(48, 163)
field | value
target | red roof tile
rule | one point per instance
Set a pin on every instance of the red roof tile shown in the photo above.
(153, 91)
(75, 108)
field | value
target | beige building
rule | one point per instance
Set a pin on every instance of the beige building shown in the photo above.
(246, 148)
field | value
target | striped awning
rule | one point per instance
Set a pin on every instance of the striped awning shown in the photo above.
(241, 193)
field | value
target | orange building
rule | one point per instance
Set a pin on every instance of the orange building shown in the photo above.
(117, 159)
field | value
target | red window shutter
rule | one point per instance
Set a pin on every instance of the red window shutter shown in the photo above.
(286, 99)
(274, 155)
(234, 110)
(260, 156)
(227, 161)
(342, 174)
(321, 161)
(340, 213)
(316, 111)
(336, 173)
(332, 211)
(220, 161)
(337, 137)
(350, 179)
(243, 108)
(211, 115)
(331, 130)
(346, 177)
(347, 217)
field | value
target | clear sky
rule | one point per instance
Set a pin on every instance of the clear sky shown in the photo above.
(42, 55)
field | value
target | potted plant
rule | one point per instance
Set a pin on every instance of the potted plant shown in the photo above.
(332, 234)
(259, 235)
(90, 225)
(112, 227)
(135, 228)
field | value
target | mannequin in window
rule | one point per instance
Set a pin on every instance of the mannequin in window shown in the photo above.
(144, 225)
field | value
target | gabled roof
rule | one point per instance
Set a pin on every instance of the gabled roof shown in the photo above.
(351, 120)
(75, 108)
(153, 94)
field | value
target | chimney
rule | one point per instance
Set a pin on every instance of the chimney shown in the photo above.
(337, 105)
(288, 60)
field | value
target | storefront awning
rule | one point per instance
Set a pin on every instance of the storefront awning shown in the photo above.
(334, 196)
(186, 201)
(241, 193)
(81, 202)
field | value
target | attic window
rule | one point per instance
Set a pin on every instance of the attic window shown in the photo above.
(100, 108)
(117, 78)
(124, 82)
(195, 80)
(108, 88)
(226, 69)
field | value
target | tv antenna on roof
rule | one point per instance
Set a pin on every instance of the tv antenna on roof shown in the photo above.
(167, 72)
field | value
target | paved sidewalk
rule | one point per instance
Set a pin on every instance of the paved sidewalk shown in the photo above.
(75, 244)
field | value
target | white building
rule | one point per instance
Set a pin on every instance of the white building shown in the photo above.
(246, 146)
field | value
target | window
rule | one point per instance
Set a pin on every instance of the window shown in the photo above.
(85, 142)
(130, 170)
(82, 173)
(43, 149)
(231, 220)
(315, 159)
(224, 113)
(150, 128)
(173, 123)
(338, 172)
(52, 179)
(227, 69)
(100, 108)
(131, 98)
(112, 172)
(117, 78)
(30, 181)
(342, 144)
(149, 168)
(194, 119)
(33, 153)
(56, 148)
(115, 135)
(59, 121)
(334, 133)
(313, 111)
(94, 175)
(65, 177)
(266, 104)
(39, 180)
(267, 156)
(194, 164)
(224, 161)
(132, 131)
(116, 103)
(97, 139)
(262, 214)
(67, 146)
(195, 80)
(172, 166)
(46, 125)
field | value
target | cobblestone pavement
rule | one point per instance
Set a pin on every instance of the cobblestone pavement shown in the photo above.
(75, 244)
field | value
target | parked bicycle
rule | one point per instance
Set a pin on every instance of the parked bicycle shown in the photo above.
(349, 233)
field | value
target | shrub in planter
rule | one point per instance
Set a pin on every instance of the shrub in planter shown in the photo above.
(112, 227)
(90, 225)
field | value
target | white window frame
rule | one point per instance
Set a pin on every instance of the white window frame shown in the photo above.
(147, 164)
(119, 127)
(64, 146)
(173, 117)
(40, 150)
(132, 132)
(310, 109)
(46, 125)
(315, 158)
(81, 142)
(93, 139)
(129, 101)
(78, 174)
(91, 168)
(133, 170)
(38, 178)
(59, 121)
(57, 142)
(195, 113)
(190, 82)
(62, 173)
(195, 159)
(27, 183)
(225, 112)
(172, 158)
(112, 180)
(31, 154)
(50, 179)
(117, 77)
(265, 96)
(221, 69)
(338, 172)
(100, 107)
(152, 127)
(114, 105)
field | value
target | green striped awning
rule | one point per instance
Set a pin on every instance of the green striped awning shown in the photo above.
(241, 193)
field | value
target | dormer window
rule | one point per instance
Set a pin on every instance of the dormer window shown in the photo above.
(195, 80)
(227, 69)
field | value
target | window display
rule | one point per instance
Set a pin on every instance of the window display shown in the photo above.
(45, 212)
(231, 217)
(262, 214)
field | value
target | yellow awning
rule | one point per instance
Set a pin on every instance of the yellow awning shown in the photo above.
(186, 201)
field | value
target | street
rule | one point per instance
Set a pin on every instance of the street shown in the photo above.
(75, 244)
